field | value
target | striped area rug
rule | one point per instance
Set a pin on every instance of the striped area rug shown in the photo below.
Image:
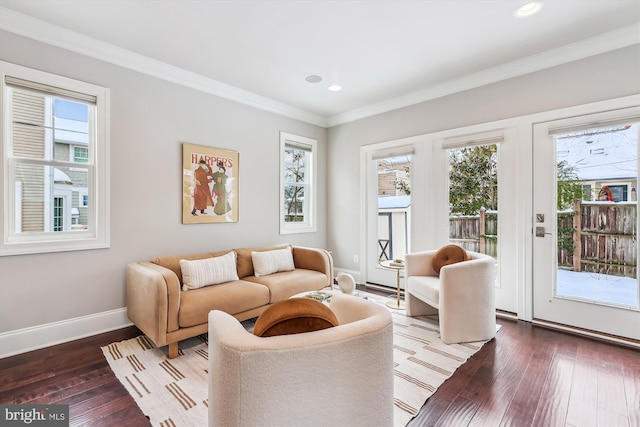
(173, 392)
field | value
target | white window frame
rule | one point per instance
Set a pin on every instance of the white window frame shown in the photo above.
(310, 200)
(97, 234)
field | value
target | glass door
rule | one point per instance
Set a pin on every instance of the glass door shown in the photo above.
(477, 200)
(473, 198)
(390, 211)
(585, 246)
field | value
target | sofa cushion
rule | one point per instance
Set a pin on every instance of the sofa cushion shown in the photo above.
(172, 262)
(269, 262)
(231, 297)
(294, 316)
(425, 288)
(244, 261)
(288, 283)
(208, 271)
(446, 255)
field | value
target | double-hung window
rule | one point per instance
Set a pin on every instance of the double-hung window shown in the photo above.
(297, 184)
(54, 160)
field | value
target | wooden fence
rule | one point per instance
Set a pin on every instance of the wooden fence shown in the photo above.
(600, 239)
(477, 233)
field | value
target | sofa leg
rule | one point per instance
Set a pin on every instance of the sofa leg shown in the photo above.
(173, 350)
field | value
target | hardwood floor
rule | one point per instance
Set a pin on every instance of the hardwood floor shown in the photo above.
(527, 376)
(74, 373)
(532, 376)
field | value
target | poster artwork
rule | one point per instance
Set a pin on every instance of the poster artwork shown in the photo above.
(210, 184)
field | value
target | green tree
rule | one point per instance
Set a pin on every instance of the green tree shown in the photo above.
(473, 179)
(569, 187)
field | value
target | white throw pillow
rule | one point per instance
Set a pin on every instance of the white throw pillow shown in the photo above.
(269, 262)
(209, 271)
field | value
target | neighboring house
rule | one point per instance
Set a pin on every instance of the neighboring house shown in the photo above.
(604, 158)
(391, 172)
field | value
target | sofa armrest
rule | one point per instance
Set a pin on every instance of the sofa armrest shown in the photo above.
(314, 259)
(153, 299)
(468, 284)
(420, 264)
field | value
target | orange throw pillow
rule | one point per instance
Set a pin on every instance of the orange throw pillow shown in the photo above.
(446, 255)
(294, 316)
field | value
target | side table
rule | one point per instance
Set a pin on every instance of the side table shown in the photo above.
(392, 265)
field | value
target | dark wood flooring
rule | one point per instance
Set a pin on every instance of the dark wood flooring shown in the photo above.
(527, 376)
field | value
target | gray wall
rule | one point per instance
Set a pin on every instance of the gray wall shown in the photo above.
(606, 76)
(149, 120)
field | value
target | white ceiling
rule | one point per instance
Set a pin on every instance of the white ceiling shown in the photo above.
(385, 54)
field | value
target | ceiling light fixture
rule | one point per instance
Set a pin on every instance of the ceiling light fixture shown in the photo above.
(335, 88)
(313, 78)
(528, 9)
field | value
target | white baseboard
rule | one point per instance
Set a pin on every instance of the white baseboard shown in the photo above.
(37, 337)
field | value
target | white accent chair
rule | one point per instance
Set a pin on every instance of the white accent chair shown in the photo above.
(463, 295)
(337, 376)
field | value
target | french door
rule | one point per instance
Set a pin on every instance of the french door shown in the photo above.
(388, 211)
(585, 222)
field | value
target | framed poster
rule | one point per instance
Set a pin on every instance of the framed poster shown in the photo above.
(209, 184)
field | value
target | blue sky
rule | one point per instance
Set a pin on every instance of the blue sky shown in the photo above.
(70, 110)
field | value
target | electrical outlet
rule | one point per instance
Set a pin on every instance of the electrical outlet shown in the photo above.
(355, 259)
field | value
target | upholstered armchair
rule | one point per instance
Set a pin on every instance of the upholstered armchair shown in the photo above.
(462, 294)
(342, 375)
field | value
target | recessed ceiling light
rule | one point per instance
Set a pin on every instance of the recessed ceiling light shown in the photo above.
(335, 88)
(313, 78)
(528, 9)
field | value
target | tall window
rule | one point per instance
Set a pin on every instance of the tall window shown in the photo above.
(473, 193)
(297, 184)
(55, 150)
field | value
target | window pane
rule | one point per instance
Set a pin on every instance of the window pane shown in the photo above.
(294, 203)
(294, 169)
(473, 199)
(596, 244)
(47, 198)
(394, 206)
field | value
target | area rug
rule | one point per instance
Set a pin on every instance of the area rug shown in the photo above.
(173, 392)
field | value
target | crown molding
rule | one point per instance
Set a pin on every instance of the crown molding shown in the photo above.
(36, 29)
(606, 42)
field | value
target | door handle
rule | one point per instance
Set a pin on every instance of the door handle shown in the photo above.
(540, 232)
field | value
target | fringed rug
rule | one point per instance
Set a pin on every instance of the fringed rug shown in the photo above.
(173, 392)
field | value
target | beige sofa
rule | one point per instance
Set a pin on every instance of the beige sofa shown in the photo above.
(159, 307)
